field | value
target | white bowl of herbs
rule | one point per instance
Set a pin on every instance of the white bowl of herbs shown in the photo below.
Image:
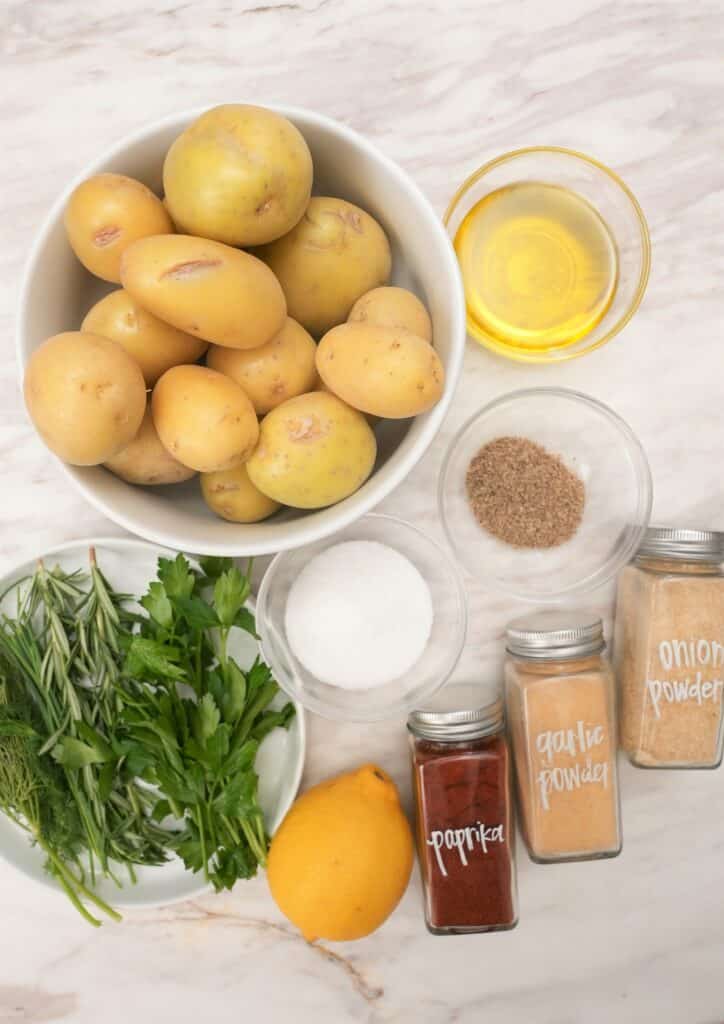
(146, 754)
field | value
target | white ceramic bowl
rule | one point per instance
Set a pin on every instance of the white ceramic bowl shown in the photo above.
(57, 292)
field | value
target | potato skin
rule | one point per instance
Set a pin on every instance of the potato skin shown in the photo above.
(335, 254)
(393, 307)
(156, 346)
(274, 372)
(145, 461)
(313, 451)
(384, 371)
(203, 418)
(105, 214)
(85, 395)
(239, 174)
(205, 288)
(232, 496)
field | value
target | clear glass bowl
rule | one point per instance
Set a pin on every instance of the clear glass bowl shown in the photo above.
(593, 441)
(407, 691)
(613, 200)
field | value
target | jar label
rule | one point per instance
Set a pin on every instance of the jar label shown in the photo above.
(575, 746)
(674, 657)
(471, 839)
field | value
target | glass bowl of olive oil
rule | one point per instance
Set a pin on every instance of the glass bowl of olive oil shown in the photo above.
(554, 253)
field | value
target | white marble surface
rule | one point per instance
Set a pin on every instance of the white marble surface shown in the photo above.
(439, 87)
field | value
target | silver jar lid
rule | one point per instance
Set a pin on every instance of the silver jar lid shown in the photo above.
(460, 712)
(682, 545)
(555, 635)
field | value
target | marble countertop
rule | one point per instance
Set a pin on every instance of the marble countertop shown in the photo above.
(439, 87)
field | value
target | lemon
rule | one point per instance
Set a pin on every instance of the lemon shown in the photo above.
(341, 859)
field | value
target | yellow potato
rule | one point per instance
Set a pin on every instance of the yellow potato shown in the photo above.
(393, 307)
(384, 371)
(239, 174)
(105, 214)
(274, 372)
(313, 451)
(335, 254)
(203, 418)
(231, 495)
(156, 346)
(206, 289)
(85, 395)
(146, 461)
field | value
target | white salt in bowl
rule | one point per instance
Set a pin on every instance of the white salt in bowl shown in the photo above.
(594, 442)
(399, 695)
(57, 292)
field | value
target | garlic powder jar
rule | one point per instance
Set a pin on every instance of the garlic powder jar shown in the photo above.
(561, 716)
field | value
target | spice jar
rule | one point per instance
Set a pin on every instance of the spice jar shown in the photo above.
(561, 716)
(669, 650)
(461, 780)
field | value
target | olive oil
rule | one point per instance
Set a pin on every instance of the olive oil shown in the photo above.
(539, 265)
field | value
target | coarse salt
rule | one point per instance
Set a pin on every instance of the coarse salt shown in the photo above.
(359, 615)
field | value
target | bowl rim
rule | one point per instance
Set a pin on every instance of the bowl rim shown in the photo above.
(399, 707)
(291, 791)
(306, 529)
(642, 471)
(562, 355)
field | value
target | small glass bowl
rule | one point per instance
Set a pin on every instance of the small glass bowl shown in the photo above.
(594, 442)
(407, 691)
(615, 203)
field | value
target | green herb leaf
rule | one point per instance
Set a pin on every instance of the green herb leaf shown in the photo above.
(161, 810)
(197, 613)
(192, 854)
(106, 779)
(245, 620)
(138, 760)
(241, 758)
(73, 753)
(94, 739)
(206, 719)
(230, 592)
(213, 566)
(216, 686)
(217, 747)
(157, 605)
(19, 729)
(231, 865)
(258, 676)
(239, 797)
(234, 696)
(174, 786)
(271, 720)
(176, 576)
(150, 657)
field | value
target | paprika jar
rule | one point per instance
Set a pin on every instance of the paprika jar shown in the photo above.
(561, 716)
(464, 813)
(669, 650)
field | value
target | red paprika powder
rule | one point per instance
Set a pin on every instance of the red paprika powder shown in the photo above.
(464, 811)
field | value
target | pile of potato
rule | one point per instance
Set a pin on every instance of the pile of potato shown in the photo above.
(272, 418)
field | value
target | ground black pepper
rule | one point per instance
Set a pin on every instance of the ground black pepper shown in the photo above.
(523, 494)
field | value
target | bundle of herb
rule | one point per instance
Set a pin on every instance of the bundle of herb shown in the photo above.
(51, 746)
(97, 702)
(196, 720)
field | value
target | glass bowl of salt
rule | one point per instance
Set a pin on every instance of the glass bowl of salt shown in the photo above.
(364, 625)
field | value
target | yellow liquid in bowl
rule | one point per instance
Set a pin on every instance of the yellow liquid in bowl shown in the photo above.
(539, 265)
